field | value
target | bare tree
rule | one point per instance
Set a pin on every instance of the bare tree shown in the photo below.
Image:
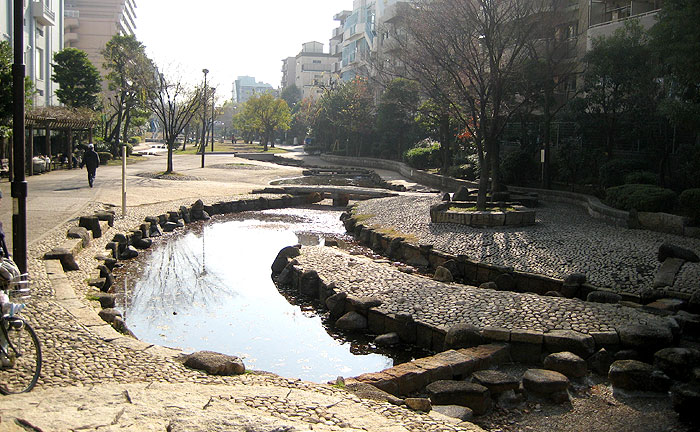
(473, 54)
(175, 105)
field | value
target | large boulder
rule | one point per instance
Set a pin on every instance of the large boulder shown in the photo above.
(442, 274)
(462, 194)
(463, 336)
(686, 400)
(636, 375)
(472, 395)
(81, 233)
(215, 363)
(600, 361)
(351, 321)
(283, 258)
(566, 363)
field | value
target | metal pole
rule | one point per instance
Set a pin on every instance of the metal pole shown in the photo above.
(213, 102)
(204, 116)
(123, 180)
(19, 184)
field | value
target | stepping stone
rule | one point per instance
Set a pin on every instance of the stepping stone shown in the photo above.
(463, 336)
(600, 362)
(666, 274)
(566, 363)
(636, 375)
(448, 392)
(497, 382)
(81, 233)
(387, 339)
(443, 275)
(686, 400)
(455, 411)
(677, 362)
(545, 382)
(107, 301)
(418, 404)
(668, 250)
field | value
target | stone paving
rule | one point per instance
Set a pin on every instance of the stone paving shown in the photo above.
(74, 355)
(443, 305)
(565, 240)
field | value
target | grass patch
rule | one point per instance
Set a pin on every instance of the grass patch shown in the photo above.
(227, 148)
(129, 161)
(392, 233)
(360, 217)
(474, 209)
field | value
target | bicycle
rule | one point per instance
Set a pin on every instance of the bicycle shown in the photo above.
(20, 351)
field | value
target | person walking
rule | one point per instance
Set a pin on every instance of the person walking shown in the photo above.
(91, 160)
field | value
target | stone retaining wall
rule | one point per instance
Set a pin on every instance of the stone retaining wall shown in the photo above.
(660, 222)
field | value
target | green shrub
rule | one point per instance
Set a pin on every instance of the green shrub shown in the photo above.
(104, 157)
(642, 177)
(640, 197)
(463, 171)
(424, 157)
(612, 173)
(690, 202)
(135, 140)
(519, 167)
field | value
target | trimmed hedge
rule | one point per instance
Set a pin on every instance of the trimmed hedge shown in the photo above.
(641, 197)
(690, 202)
(642, 177)
(612, 173)
(423, 157)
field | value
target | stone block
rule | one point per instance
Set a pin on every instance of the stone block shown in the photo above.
(92, 224)
(376, 322)
(526, 336)
(545, 382)
(80, 233)
(605, 338)
(65, 256)
(569, 340)
(666, 274)
(424, 336)
(496, 334)
(437, 370)
(460, 364)
(566, 363)
(524, 352)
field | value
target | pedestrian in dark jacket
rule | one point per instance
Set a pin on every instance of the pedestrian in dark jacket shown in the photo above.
(91, 160)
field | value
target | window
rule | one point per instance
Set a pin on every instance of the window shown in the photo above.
(39, 63)
(317, 61)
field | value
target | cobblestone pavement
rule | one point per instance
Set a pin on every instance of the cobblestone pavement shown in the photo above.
(565, 240)
(78, 365)
(443, 305)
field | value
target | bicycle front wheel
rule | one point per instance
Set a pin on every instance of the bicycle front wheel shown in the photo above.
(20, 370)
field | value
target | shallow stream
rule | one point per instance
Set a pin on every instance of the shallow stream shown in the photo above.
(210, 289)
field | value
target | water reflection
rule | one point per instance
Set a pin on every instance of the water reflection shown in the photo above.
(211, 289)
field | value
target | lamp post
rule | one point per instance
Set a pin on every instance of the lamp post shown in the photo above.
(19, 183)
(204, 116)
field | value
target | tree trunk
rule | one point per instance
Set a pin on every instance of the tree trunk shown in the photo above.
(169, 168)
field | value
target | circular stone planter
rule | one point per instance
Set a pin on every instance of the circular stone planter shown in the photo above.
(511, 215)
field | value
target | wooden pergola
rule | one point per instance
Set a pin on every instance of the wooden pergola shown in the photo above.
(58, 118)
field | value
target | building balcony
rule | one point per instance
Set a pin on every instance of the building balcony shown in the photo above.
(71, 38)
(43, 14)
(613, 11)
(607, 27)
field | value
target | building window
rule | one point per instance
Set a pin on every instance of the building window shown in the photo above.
(317, 61)
(40, 63)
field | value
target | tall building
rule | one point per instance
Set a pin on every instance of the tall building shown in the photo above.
(90, 24)
(246, 86)
(43, 36)
(310, 70)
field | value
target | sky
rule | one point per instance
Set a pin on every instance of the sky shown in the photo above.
(232, 37)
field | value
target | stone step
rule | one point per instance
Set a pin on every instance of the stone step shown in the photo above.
(410, 377)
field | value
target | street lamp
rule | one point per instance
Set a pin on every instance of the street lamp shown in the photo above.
(19, 183)
(204, 116)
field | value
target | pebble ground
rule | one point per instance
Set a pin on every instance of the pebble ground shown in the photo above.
(565, 240)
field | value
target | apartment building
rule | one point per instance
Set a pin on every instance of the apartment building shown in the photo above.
(246, 86)
(90, 24)
(310, 70)
(43, 36)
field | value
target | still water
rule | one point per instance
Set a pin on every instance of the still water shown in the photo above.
(210, 289)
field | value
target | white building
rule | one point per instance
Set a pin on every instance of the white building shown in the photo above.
(310, 70)
(43, 36)
(246, 86)
(90, 24)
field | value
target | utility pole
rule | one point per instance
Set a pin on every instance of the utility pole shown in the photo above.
(19, 184)
(204, 116)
